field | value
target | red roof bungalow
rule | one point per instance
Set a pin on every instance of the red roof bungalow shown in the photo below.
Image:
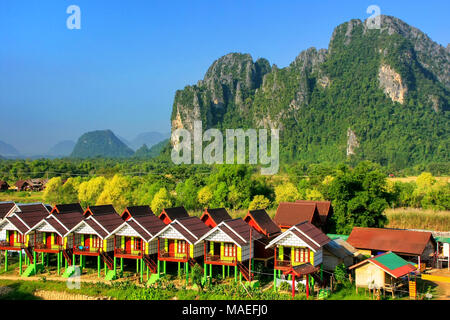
(325, 210)
(168, 215)
(7, 209)
(177, 242)
(260, 221)
(93, 237)
(212, 217)
(299, 251)
(416, 245)
(51, 234)
(132, 239)
(16, 225)
(290, 214)
(231, 243)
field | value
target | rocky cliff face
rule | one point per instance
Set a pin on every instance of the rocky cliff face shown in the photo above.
(378, 82)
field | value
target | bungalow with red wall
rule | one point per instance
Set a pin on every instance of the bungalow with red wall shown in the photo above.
(325, 211)
(93, 237)
(16, 226)
(132, 239)
(212, 217)
(299, 253)
(230, 244)
(177, 242)
(168, 215)
(51, 233)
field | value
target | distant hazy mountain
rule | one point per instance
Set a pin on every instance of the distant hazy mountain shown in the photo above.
(8, 151)
(102, 143)
(149, 139)
(125, 141)
(62, 149)
(146, 153)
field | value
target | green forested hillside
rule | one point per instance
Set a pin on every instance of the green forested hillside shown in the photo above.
(379, 95)
(101, 143)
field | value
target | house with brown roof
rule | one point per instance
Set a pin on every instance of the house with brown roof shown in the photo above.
(260, 221)
(132, 239)
(414, 246)
(4, 186)
(22, 185)
(51, 235)
(16, 226)
(230, 244)
(212, 217)
(93, 237)
(299, 252)
(178, 242)
(168, 215)
(291, 213)
(325, 211)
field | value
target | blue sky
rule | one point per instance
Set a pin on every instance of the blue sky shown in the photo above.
(121, 70)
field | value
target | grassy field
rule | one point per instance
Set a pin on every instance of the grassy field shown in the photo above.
(412, 218)
(21, 196)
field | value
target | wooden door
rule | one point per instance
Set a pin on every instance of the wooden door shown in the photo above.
(11, 237)
(87, 241)
(48, 240)
(127, 244)
(171, 247)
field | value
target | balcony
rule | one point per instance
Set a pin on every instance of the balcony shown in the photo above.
(127, 253)
(43, 247)
(6, 245)
(172, 256)
(282, 264)
(217, 259)
(86, 250)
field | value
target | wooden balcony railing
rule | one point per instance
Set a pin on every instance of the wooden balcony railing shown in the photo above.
(283, 263)
(125, 252)
(217, 259)
(172, 255)
(44, 246)
(6, 245)
(85, 249)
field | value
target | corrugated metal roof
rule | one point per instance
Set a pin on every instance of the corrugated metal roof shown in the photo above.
(399, 241)
(390, 263)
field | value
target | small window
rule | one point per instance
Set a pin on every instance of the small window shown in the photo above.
(229, 250)
(181, 246)
(137, 244)
(301, 255)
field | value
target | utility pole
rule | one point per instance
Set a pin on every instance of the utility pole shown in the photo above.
(250, 255)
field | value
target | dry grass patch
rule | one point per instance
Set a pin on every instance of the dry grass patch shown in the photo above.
(413, 218)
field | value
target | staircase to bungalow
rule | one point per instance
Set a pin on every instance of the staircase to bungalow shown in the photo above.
(68, 253)
(245, 272)
(192, 262)
(29, 254)
(111, 274)
(151, 264)
(30, 270)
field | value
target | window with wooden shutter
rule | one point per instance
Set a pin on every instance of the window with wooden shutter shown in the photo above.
(137, 243)
(229, 250)
(181, 246)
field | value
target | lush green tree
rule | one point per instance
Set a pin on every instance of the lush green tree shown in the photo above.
(161, 200)
(89, 191)
(359, 198)
(286, 193)
(53, 191)
(205, 196)
(259, 202)
(114, 192)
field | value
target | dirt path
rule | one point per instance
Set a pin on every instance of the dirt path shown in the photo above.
(443, 287)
